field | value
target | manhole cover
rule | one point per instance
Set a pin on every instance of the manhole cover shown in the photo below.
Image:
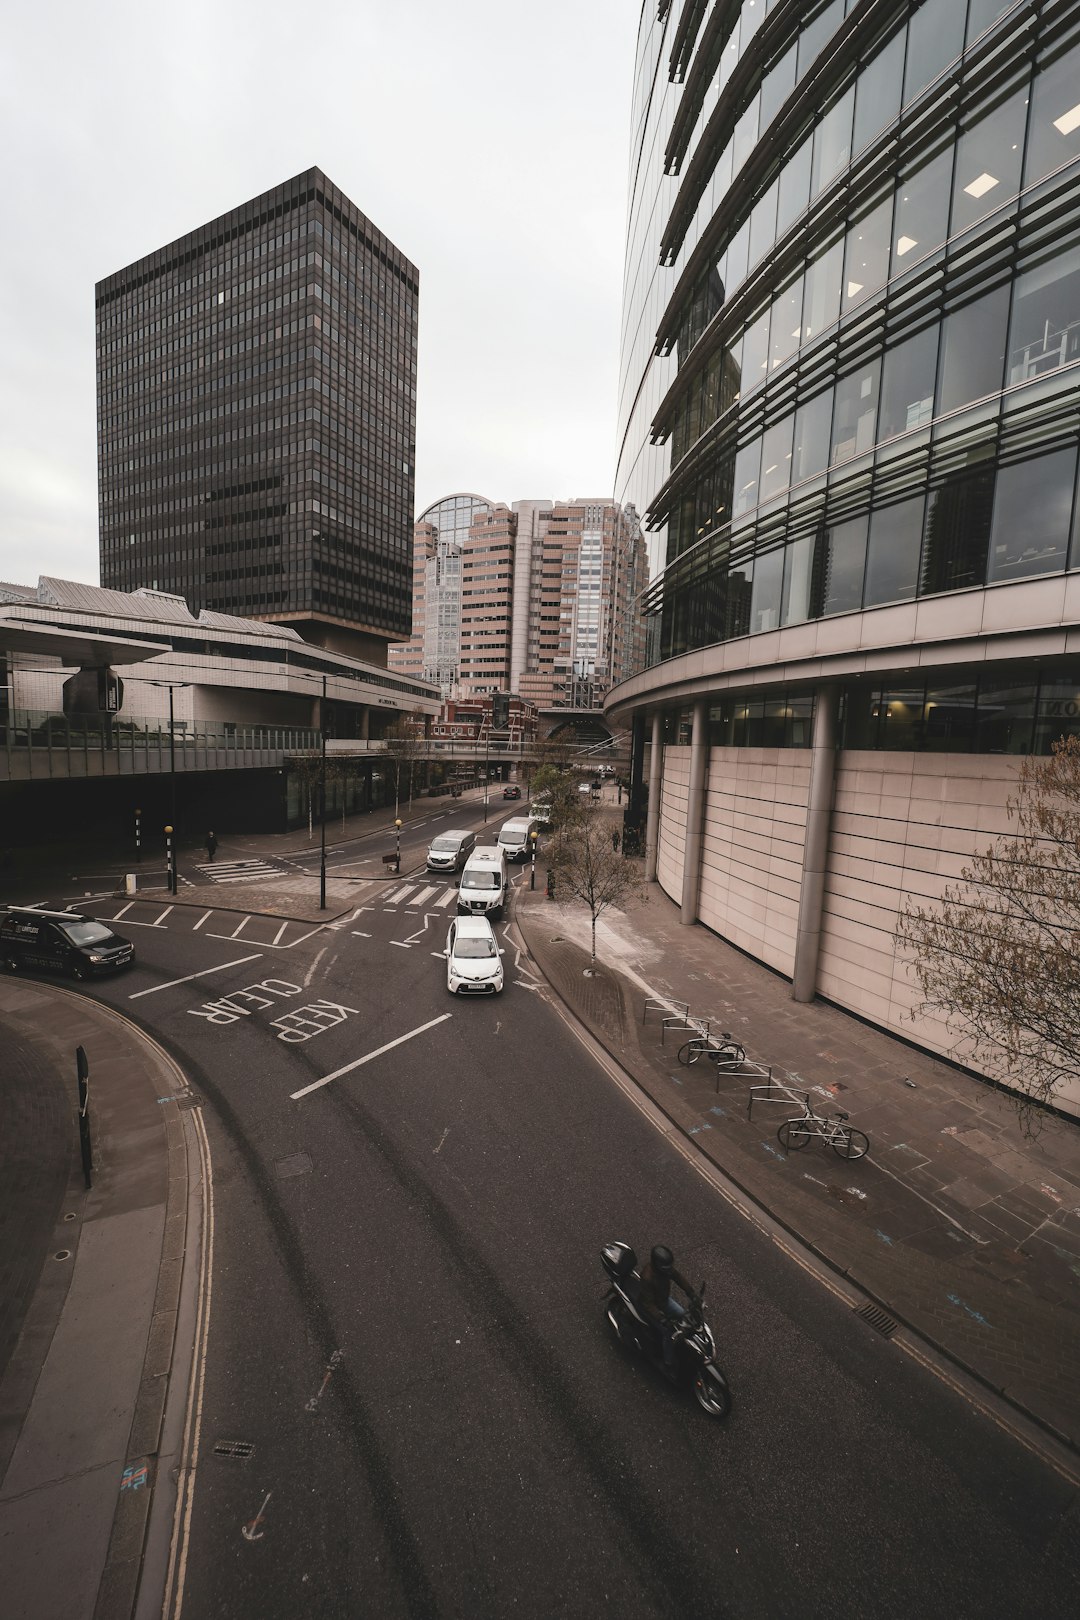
(62, 1254)
(239, 1449)
(297, 1164)
(188, 1101)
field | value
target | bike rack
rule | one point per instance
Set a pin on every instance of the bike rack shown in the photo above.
(773, 1091)
(665, 1007)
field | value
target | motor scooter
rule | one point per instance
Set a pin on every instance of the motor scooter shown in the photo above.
(694, 1364)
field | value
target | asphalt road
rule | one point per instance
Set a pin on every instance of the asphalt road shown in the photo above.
(407, 1327)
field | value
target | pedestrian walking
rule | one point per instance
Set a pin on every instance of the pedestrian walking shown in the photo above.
(211, 844)
(615, 839)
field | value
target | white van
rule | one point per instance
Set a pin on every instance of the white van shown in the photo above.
(484, 882)
(514, 840)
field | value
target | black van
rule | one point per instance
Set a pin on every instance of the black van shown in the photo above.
(61, 942)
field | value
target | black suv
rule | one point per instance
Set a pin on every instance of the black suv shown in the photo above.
(61, 942)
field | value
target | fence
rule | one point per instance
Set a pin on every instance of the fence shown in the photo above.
(35, 744)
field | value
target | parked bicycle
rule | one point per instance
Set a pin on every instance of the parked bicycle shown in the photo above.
(830, 1129)
(721, 1050)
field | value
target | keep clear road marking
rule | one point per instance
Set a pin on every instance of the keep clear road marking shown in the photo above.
(359, 1062)
(154, 988)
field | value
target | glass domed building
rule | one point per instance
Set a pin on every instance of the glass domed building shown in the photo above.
(850, 410)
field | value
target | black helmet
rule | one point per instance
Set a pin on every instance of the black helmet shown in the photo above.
(663, 1261)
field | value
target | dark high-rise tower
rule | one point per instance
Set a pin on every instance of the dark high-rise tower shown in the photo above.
(256, 419)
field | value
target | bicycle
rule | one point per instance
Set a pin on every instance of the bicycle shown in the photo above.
(701, 1046)
(832, 1130)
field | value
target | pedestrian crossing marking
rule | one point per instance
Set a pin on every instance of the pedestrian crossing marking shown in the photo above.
(238, 871)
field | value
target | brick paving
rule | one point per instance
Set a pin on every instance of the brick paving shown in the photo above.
(960, 1226)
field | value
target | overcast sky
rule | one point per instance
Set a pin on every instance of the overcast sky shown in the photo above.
(487, 138)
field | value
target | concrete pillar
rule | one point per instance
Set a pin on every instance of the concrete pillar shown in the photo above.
(635, 808)
(656, 782)
(363, 727)
(695, 812)
(816, 845)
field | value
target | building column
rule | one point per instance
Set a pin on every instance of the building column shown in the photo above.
(635, 797)
(656, 783)
(816, 845)
(695, 812)
(363, 725)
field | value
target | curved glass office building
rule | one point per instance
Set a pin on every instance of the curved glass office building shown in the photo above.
(850, 408)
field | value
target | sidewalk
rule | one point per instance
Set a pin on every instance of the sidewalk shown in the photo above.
(91, 1286)
(955, 1223)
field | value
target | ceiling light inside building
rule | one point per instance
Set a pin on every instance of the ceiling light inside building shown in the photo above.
(904, 244)
(854, 287)
(1068, 121)
(981, 185)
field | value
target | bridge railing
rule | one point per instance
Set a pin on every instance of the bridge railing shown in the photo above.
(36, 743)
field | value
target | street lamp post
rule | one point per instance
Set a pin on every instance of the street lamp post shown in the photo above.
(322, 800)
(487, 772)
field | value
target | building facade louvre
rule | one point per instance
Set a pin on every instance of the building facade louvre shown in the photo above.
(850, 412)
(256, 386)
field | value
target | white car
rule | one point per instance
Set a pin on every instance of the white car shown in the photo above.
(473, 958)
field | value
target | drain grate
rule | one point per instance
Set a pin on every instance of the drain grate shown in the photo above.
(878, 1319)
(240, 1449)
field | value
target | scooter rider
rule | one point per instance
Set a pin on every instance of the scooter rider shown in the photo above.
(664, 1312)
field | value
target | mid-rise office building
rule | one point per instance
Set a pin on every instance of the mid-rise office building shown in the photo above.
(848, 411)
(541, 598)
(256, 419)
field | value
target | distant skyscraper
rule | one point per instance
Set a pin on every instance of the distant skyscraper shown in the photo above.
(433, 653)
(256, 418)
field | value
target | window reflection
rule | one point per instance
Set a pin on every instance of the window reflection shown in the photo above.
(747, 468)
(957, 532)
(935, 38)
(877, 94)
(1004, 713)
(907, 384)
(855, 412)
(1045, 329)
(838, 565)
(821, 305)
(794, 186)
(973, 350)
(922, 210)
(817, 33)
(1054, 126)
(755, 353)
(1032, 512)
(988, 161)
(810, 449)
(866, 255)
(765, 602)
(981, 13)
(776, 458)
(777, 85)
(786, 324)
(832, 143)
(763, 224)
(892, 559)
(1058, 713)
(795, 605)
(948, 723)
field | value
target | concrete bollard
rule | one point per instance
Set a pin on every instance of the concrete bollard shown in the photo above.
(129, 883)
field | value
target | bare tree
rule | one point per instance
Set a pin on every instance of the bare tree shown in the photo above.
(559, 789)
(588, 869)
(405, 746)
(999, 955)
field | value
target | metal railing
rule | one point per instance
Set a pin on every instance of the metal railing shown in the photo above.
(37, 744)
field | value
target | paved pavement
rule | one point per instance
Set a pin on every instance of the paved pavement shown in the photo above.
(958, 1225)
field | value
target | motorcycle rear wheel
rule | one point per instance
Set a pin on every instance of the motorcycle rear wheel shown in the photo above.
(712, 1393)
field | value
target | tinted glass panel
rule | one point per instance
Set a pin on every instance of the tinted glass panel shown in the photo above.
(957, 532)
(922, 211)
(768, 578)
(1058, 713)
(907, 384)
(892, 559)
(981, 13)
(785, 326)
(877, 94)
(776, 86)
(935, 38)
(1045, 329)
(821, 305)
(866, 255)
(817, 33)
(755, 353)
(900, 716)
(1054, 125)
(763, 224)
(747, 467)
(973, 350)
(949, 719)
(988, 162)
(855, 412)
(736, 257)
(1003, 717)
(810, 452)
(1032, 516)
(832, 143)
(840, 562)
(798, 569)
(776, 458)
(794, 186)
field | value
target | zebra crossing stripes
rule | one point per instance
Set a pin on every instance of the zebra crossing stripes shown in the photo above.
(422, 894)
(238, 871)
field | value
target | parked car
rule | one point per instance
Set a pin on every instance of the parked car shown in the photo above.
(512, 791)
(473, 958)
(61, 942)
(449, 851)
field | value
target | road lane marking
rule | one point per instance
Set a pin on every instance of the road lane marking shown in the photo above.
(426, 894)
(279, 933)
(201, 920)
(401, 944)
(120, 913)
(240, 927)
(154, 988)
(359, 1062)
